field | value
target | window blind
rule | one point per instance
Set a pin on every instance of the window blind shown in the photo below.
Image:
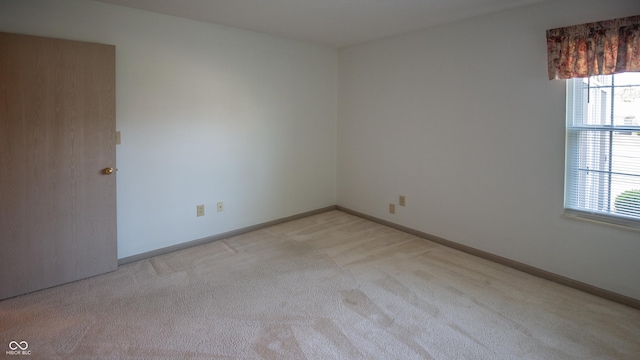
(603, 148)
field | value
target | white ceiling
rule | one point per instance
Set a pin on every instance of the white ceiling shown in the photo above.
(336, 23)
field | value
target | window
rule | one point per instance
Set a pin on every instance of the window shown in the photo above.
(603, 148)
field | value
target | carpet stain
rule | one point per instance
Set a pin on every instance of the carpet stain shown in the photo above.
(278, 342)
(360, 303)
(340, 340)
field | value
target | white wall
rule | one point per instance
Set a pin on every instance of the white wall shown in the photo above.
(462, 120)
(207, 113)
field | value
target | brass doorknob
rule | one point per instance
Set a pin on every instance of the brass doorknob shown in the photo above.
(107, 171)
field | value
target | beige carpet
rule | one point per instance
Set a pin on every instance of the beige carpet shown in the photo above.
(330, 286)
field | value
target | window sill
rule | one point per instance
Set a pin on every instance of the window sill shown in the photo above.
(610, 220)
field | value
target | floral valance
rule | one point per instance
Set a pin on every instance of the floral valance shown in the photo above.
(600, 48)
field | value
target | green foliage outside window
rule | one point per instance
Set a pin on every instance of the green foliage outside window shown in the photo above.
(628, 203)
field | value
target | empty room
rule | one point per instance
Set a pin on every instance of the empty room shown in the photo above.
(340, 179)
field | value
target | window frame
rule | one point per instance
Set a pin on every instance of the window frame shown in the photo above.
(572, 146)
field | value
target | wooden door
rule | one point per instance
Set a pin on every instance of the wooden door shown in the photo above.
(57, 134)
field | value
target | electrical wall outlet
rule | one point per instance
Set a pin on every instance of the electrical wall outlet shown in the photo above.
(220, 206)
(402, 201)
(200, 210)
(392, 208)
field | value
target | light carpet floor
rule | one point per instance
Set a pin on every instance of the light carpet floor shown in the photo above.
(330, 286)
